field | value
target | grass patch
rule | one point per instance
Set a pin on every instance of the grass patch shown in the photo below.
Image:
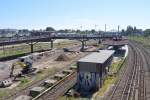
(65, 44)
(4, 92)
(115, 69)
(108, 81)
(24, 48)
(141, 39)
(68, 98)
(24, 80)
(116, 66)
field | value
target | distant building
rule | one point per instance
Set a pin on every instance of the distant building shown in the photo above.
(93, 69)
(23, 32)
(8, 32)
(14, 32)
(42, 33)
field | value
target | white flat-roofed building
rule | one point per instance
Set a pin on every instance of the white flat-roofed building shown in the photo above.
(92, 70)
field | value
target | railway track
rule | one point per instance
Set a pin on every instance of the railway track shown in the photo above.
(144, 92)
(131, 84)
(54, 92)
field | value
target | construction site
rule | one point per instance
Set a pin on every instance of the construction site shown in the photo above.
(64, 71)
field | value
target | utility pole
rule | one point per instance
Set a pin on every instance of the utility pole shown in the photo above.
(105, 27)
(96, 27)
(81, 29)
(118, 28)
(3, 50)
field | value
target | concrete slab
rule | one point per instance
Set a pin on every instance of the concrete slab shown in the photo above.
(67, 71)
(49, 82)
(59, 76)
(35, 91)
(23, 97)
(6, 83)
(5, 70)
(73, 67)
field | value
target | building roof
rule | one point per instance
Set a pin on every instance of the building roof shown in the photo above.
(98, 57)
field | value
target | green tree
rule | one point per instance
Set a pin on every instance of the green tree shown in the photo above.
(93, 31)
(129, 30)
(66, 30)
(61, 31)
(134, 30)
(123, 32)
(147, 32)
(78, 31)
(50, 29)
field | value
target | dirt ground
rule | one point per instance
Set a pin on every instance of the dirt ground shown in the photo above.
(5, 69)
(51, 62)
(3, 73)
(45, 62)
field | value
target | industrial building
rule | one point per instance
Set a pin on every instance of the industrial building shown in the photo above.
(93, 69)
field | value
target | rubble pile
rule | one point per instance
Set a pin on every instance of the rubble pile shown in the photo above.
(62, 57)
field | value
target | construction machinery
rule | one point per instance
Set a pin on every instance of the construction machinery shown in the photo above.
(25, 63)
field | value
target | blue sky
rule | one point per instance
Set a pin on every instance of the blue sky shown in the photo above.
(37, 14)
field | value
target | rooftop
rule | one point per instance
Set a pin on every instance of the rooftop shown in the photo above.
(98, 57)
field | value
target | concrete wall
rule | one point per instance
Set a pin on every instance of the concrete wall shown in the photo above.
(88, 81)
(91, 75)
(89, 67)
